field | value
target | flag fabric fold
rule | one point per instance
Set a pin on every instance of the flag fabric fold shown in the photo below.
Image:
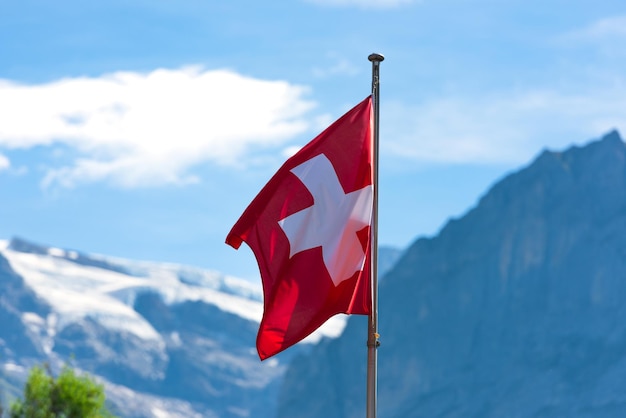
(309, 229)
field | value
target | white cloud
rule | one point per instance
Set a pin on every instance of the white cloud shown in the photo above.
(504, 128)
(368, 4)
(607, 28)
(5, 164)
(136, 129)
(290, 151)
(341, 67)
(604, 36)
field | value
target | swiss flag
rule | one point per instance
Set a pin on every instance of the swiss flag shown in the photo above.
(309, 229)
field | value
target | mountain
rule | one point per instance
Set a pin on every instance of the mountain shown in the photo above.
(166, 340)
(516, 309)
(387, 258)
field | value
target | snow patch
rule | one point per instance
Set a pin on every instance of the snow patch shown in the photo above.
(175, 339)
(150, 406)
(77, 291)
(39, 326)
(31, 318)
(14, 368)
(159, 413)
(272, 362)
(56, 252)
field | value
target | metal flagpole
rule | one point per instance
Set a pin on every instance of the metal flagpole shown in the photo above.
(372, 335)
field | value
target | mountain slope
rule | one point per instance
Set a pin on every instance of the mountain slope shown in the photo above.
(514, 310)
(167, 340)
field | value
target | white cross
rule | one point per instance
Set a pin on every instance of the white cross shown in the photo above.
(333, 220)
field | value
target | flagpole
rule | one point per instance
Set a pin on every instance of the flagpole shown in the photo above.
(372, 335)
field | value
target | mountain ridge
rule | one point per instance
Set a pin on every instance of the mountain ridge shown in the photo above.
(166, 340)
(156, 333)
(513, 309)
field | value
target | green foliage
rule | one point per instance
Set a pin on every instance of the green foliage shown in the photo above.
(67, 396)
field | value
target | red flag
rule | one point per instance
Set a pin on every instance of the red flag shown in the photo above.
(309, 229)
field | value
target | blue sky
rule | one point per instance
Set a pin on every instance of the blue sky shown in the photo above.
(142, 129)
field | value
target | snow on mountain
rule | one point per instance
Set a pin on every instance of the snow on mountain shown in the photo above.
(85, 289)
(167, 340)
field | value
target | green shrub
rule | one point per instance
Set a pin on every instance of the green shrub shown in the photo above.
(68, 396)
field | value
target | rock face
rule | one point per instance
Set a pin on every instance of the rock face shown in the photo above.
(517, 309)
(16, 339)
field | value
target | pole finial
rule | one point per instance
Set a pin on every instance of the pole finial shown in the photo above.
(376, 57)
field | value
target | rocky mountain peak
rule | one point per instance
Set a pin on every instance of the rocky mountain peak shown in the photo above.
(514, 309)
